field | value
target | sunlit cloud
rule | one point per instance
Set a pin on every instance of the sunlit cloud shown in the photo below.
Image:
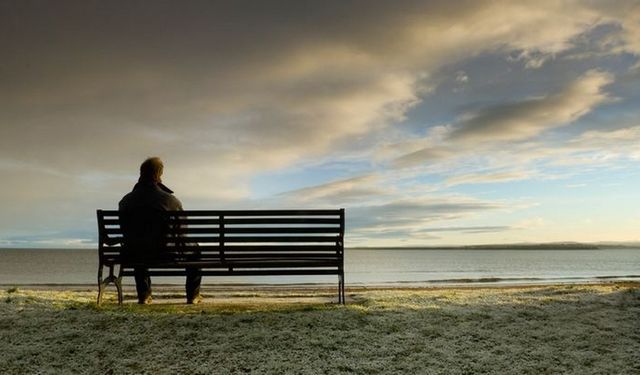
(227, 92)
(478, 229)
(414, 212)
(530, 117)
(351, 190)
(489, 177)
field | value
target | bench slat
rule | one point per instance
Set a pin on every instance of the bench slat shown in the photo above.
(178, 241)
(226, 272)
(260, 213)
(267, 248)
(267, 256)
(242, 221)
(242, 264)
(255, 239)
(252, 230)
(231, 256)
(326, 212)
(192, 221)
(218, 230)
(241, 248)
(282, 220)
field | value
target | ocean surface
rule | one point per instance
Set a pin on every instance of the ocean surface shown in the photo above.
(364, 267)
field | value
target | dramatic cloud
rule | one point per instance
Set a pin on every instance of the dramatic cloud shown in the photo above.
(229, 92)
(530, 117)
(338, 192)
(233, 87)
(514, 121)
(413, 212)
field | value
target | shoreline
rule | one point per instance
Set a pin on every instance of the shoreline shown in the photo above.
(426, 284)
(332, 286)
(507, 246)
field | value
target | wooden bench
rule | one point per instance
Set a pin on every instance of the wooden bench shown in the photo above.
(232, 243)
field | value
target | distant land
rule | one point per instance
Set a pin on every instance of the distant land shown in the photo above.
(517, 246)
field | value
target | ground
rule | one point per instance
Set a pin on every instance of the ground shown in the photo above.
(581, 329)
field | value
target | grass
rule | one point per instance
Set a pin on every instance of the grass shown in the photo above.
(581, 329)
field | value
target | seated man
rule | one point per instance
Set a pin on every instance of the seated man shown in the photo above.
(144, 227)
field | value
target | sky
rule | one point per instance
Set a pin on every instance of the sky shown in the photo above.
(431, 122)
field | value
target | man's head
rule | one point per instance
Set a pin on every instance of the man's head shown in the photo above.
(151, 170)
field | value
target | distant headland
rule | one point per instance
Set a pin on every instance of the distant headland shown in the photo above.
(516, 246)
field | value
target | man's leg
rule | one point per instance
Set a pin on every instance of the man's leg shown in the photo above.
(193, 285)
(143, 285)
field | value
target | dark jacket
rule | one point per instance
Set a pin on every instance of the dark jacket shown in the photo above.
(143, 223)
(150, 195)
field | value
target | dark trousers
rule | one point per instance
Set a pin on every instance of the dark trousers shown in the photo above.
(143, 283)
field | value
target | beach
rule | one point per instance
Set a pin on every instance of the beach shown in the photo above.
(563, 328)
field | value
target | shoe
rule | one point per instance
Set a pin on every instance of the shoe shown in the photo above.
(195, 300)
(146, 301)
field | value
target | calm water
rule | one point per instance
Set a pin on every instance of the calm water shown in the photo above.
(42, 266)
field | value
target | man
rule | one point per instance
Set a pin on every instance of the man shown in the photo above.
(144, 227)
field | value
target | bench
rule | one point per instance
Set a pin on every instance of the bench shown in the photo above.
(231, 243)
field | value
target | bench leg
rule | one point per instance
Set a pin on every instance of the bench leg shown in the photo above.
(112, 278)
(341, 298)
(100, 286)
(118, 282)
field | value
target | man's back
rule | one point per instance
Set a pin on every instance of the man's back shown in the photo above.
(143, 223)
(150, 195)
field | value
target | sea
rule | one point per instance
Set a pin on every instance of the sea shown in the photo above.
(365, 267)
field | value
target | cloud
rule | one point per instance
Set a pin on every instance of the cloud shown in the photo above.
(532, 59)
(338, 192)
(198, 85)
(509, 122)
(470, 230)
(428, 154)
(529, 223)
(603, 138)
(624, 15)
(488, 177)
(225, 91)
(542, 159)
(530, 117)
(461, 77)
(415, 212)
(603, 148)
(416, 220)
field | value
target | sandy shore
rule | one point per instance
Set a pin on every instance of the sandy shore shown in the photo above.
(568, 328)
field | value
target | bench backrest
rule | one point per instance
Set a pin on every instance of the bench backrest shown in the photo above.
(239, 234)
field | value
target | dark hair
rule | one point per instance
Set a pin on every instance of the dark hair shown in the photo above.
(151, 169)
